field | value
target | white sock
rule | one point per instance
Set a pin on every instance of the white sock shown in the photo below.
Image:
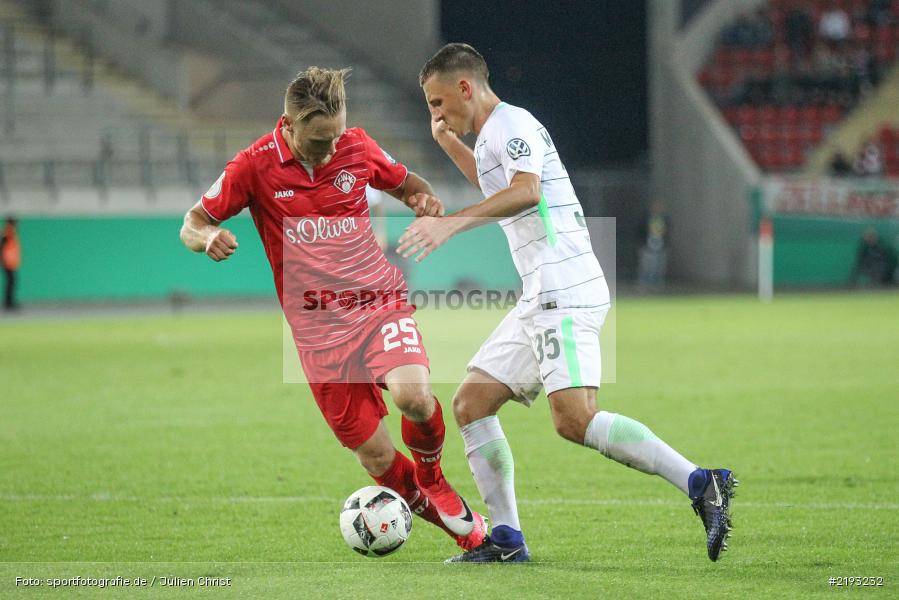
(493, 468)
(633, 444)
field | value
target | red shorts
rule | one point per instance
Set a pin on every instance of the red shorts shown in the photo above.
(346, 380)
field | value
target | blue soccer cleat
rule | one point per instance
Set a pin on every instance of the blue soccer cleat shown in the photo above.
(490, 552)
(713, 507)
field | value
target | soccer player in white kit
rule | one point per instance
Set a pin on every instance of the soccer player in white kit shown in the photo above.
(550, 339)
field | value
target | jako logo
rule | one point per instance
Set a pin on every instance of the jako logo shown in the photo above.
(284, 194)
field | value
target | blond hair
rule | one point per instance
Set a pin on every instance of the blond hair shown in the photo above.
(316, 91)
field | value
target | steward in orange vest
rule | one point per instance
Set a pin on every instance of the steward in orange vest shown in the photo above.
(11, 258)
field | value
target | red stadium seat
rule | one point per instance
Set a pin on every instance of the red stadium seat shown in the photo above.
(768, 115)
(885, 51)
(832, 113)
(794, 157)
(771, 159)
(722, 80)
(789, 115)
(809, 116)
(748, 133)
(891, 153)
(805, 134)
(861, 33)
(778, 137)
(747, 115)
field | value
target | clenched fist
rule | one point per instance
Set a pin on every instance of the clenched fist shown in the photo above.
(441, 131)
(220, 245)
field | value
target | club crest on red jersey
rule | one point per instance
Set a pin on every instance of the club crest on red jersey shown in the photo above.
(345, 181)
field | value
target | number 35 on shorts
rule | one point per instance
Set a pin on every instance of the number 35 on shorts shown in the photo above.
(401, 333)
(546, 345)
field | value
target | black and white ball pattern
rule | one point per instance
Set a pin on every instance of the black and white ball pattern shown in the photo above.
(375, 521)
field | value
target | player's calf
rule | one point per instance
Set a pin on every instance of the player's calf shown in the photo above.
(377, 453)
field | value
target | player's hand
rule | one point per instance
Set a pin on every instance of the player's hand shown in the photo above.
(220, 245)
(424, 235)
(441, 131)
(426, 205)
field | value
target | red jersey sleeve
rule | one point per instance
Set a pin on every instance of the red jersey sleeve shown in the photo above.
(386, 172)
(232, 191)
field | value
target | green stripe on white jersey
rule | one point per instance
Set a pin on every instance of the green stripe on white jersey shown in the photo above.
(550, 243)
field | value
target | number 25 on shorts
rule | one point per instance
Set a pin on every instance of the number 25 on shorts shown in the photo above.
(392, 330)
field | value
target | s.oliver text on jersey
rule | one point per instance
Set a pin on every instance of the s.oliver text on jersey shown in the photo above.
(309, 231)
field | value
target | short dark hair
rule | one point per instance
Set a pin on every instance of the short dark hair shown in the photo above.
(455, 57)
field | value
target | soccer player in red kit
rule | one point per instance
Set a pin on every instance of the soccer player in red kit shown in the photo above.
(304, 184)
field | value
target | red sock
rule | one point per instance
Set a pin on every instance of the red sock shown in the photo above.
(401, 478)
(425, 443)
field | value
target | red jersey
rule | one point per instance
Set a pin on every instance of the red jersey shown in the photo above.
(330, 274)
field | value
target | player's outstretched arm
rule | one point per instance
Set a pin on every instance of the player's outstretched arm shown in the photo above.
(426, 235)
(457, 150)
(522, 194)
(201, 233)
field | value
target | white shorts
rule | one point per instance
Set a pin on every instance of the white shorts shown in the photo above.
(552, 349)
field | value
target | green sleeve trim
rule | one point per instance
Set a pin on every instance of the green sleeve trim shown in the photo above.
(543, 209)
(574, 367)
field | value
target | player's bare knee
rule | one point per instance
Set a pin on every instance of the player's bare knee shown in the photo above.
(414, 400)
(462, 408)
(469, 406)
(569, 430)
(571, 424)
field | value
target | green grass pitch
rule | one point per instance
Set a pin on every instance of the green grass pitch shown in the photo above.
(168, 446)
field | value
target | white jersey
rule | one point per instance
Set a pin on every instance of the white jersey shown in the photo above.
(550, 243)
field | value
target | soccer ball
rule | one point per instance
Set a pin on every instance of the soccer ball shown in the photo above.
(375, 521)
